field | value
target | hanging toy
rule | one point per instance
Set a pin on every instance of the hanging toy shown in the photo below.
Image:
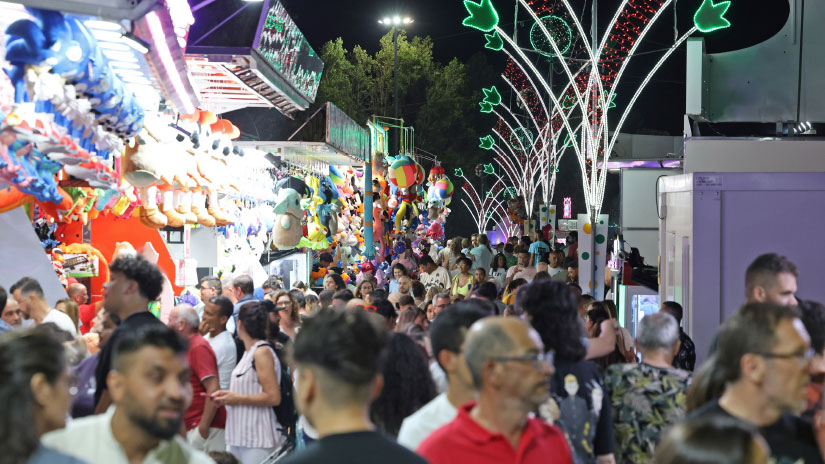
(403, 172)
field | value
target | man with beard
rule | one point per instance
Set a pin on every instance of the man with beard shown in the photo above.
(509, 368)
(150, 390)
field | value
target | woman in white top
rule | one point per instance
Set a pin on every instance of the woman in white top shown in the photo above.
(498, 270)
(252, 430)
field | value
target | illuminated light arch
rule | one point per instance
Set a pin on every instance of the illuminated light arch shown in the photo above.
(578, 113)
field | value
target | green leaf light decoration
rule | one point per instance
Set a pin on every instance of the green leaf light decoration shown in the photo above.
(458, 172)
(492, 96)
(489, 169)
(711, 16)
(485, 107)
(483, 16)
(486, 142)
(494, 42)
(612, 103)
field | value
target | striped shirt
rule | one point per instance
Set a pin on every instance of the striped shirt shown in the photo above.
(251, 426)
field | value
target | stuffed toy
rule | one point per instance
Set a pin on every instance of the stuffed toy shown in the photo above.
(287, 232)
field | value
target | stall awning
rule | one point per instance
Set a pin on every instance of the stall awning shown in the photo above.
(328, 136)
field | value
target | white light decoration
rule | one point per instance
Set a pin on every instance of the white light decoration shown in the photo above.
(576, 116)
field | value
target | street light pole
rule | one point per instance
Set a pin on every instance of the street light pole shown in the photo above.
(395, 76)
(396, 22)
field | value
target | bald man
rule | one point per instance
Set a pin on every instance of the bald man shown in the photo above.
(85, 312)
(509, 369)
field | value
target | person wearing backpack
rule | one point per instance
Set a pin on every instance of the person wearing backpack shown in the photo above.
(252, 428)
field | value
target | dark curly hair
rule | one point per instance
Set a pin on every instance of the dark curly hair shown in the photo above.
(407, 384)
(22, 355)
(552, 307)
(339, 281)
(255, 319)
(147, 275)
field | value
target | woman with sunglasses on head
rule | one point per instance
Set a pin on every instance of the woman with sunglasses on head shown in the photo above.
(290, 320)
(252, 429)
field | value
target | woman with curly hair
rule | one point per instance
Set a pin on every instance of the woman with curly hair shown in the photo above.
(290, 321)
(334, 282)
(582, 409)
(407, 384)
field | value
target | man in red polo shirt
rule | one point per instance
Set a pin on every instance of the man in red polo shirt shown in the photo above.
(510, 370)
(205, 421)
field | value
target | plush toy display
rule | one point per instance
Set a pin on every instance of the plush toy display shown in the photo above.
(287, 232)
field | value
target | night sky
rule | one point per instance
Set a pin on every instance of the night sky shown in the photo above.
(660, 109)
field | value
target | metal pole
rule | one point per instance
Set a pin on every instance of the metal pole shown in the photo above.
(395, 76)
(369, 241)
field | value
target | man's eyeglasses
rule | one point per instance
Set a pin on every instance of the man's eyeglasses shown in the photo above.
(538, 359)
(803, 358)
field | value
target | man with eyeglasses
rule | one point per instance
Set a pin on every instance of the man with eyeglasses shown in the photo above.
(210, 287)
(761, 364)
(510, 370)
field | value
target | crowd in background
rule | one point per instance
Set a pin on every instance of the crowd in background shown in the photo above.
(473, 352)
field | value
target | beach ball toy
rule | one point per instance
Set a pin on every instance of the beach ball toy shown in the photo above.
(403, 172)
(441, 190)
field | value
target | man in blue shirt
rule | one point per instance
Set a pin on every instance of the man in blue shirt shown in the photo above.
(244, 292)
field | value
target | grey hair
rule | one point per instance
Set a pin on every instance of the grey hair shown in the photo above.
(488, 342)
(440, 295)
(658, 331)
(188, 315)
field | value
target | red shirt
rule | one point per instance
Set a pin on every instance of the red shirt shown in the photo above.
(203, 364)
(465, 441)
(86, 314)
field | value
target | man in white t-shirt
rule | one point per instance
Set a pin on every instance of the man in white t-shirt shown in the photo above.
(434, 275)
(216, 312)
(150, 390)
(522, 270)
(447, 338)
(555, 263)
(33, 303)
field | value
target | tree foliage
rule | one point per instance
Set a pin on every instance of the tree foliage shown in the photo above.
(439, 100)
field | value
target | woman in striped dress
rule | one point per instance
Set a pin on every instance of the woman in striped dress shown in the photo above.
(252, 430)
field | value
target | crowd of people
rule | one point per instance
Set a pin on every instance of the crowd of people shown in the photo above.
(474, 353)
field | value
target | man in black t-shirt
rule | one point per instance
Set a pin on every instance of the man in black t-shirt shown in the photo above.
(337, 355)
(763, 356)
(133, 283)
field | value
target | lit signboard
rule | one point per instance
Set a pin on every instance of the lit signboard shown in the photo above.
(346, 135)
(284, 47)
